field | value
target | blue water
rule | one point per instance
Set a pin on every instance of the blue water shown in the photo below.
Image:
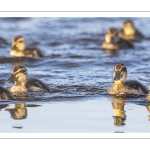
(78, 73)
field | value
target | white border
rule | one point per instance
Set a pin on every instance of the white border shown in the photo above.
(74, 135)
(74, 14)
(74, 5)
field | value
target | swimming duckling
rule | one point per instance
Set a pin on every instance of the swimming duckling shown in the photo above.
(123, 87)
(5, 94)
(23, 84)
(129, 32)
(114, 42)
(19, 49)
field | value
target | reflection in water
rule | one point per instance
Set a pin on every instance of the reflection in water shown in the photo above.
(72, 66)
(119, 112)
(14, 64)
(17, 127)
(118, 132)
(148, 117)
(3, 106)
(18, 112)
(111, 52)
(148, 108)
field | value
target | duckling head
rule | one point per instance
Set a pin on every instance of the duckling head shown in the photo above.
(120, 73)
(18, 43)
(128, 27)
(112, 36)
(19, 75)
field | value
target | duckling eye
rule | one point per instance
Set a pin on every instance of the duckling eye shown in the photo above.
(22, 71)
(20, 41)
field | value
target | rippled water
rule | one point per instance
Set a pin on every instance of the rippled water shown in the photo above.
(78, 72)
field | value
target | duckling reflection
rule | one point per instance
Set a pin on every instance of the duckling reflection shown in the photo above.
(20, 50)
(110, 52)
(23, 84)
(18, 112)
(119, 112)
(148, 108)
(129, 32)
(18, 63)
(114, 42)
(123, 87)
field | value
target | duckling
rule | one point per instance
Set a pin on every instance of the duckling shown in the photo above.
(23, 84)
(114, 42)
(19, 49)
(129, 32)
(123, 87)
(5, 94)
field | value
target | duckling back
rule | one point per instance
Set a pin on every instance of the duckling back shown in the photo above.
(124, 44)
(136, 87)
(33, 52)
(34, 85)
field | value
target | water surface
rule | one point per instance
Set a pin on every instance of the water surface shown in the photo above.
(78, 72)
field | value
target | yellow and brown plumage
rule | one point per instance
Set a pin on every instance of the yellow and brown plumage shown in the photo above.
(18, 112)
(123, 87)
(23, 84)
(129, 32)
(114, 42)
(19, 49)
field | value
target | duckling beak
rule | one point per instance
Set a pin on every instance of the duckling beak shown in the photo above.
(116, 76)
(12, 78)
